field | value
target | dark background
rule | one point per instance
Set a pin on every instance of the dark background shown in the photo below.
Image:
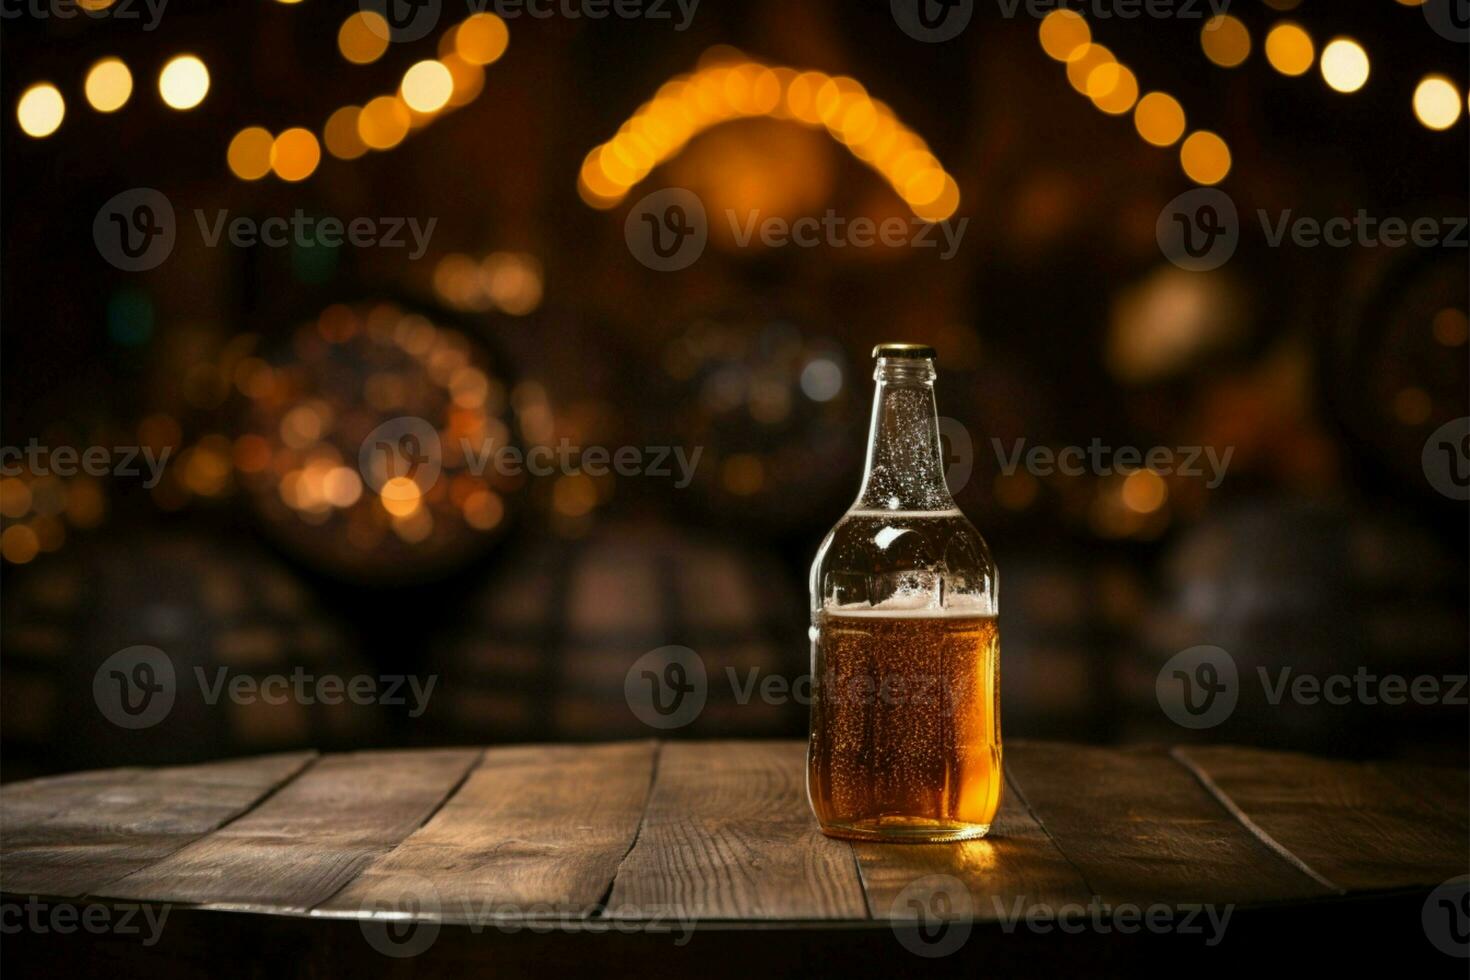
(1325, 548)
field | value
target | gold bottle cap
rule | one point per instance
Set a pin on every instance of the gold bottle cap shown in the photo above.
(904, 350)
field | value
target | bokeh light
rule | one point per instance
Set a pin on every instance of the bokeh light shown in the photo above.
(469, 79)
(1225, 40)
(19, 544)
(109, 84)
(726, 86)
(184, 82)
(295, 154)
(40, 110)
(1159, 119)
(383, 122)
(1344, 65)
(363, 37)
(1144, 491)
(427, 86)
(1451, 327)
(1437, 102)
(1205, 157)
(341, 134)
(1064, 34)
(249, 154)
(1113, 88)
(1081, 67)
(481, 38)
(1289, 49)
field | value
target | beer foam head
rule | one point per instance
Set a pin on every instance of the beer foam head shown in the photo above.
(917, 605)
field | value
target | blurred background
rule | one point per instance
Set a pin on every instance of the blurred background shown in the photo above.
(263, 546)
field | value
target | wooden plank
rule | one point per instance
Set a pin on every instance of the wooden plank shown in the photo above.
(534, 830)
(728, 835)
(1348, 822)
(1141, 829)
(27, 804)
(112, 824)
(1444, 790)
(1017, 861)
(310, 839)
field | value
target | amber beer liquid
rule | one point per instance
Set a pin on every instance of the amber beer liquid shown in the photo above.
(905, 718)
(906, 725)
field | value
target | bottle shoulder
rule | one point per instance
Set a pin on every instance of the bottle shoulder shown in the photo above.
(878, 556)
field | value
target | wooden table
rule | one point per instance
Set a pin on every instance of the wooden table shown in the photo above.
(523, 857)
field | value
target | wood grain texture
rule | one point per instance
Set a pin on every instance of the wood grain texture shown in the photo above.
(1017, 860)
(311, 838)
(728, 835)
(24, 805)
(75, 836)
(1351, 823)
(719, 832)
(534, 830)
(1140, 828)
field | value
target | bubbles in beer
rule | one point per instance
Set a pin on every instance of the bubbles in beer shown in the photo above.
(906, 722)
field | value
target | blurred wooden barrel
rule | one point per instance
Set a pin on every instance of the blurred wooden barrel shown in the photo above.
(1297, 589)
(547, 644)
(210, 606)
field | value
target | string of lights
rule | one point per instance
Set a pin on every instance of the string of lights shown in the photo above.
(183, 83)
(428, 89)
(1113, 88)
(1344, 62)
(727, 86)
(1159, 118)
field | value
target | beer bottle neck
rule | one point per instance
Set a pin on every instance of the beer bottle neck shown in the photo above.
(905, 467)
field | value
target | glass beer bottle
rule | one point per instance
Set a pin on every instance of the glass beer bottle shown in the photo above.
(905, 711)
